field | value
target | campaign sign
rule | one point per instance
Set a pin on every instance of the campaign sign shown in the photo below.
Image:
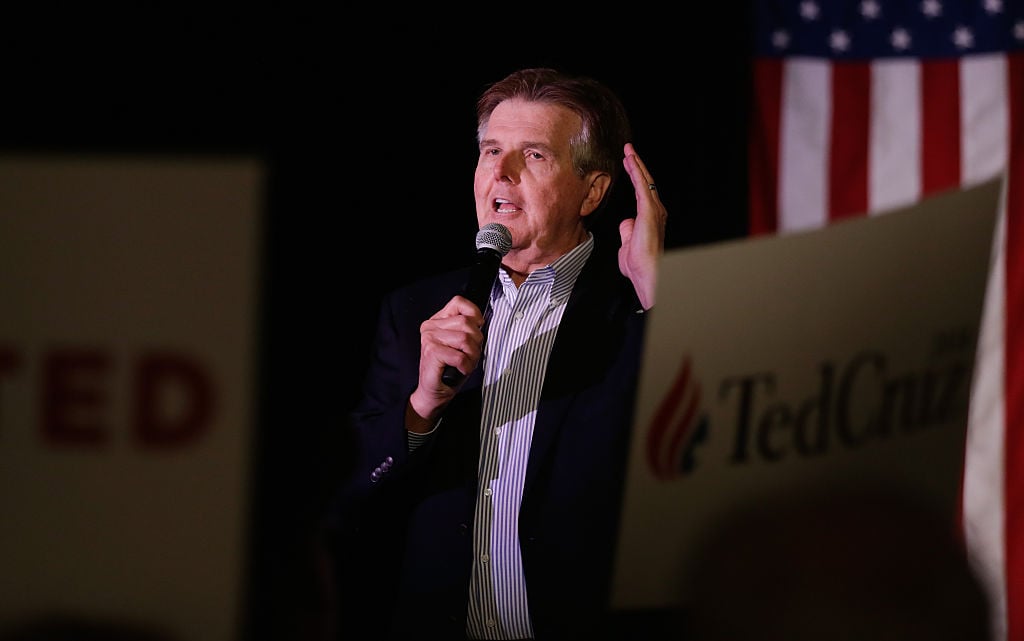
(840, 357)
(128, 336)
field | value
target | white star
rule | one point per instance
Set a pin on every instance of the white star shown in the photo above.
(1018, 30)
(994, 6)
(870, 9)
(900, 39)
(809, 10)
(780, 38)
(931, 8)
(839, 40)
(963, 38)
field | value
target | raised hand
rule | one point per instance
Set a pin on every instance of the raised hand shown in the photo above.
(643, 237)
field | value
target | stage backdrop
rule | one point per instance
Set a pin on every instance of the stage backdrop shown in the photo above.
(127, 352)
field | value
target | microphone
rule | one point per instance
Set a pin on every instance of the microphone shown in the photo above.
(493, 241)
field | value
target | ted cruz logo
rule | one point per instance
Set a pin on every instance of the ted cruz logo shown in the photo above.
(676, 427)
(861, 401)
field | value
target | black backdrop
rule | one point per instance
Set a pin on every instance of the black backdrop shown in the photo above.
(367, 127)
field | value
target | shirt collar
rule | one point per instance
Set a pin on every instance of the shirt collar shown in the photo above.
(563, 273)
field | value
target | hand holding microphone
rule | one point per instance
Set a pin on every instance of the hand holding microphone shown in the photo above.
(493, 241)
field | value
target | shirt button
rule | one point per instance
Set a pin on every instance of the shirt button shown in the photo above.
(485, 557)
(497, 431)
(491, 623)
(519, 316)
(488, 492)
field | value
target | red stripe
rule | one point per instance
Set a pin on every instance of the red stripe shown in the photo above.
(848, 152)
(1014, 354)
(940, 126)
(763, 147)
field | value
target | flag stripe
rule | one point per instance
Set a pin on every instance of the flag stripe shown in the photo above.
(1014, 394)
(985, 107)
(982, 500)
(805, 114)
(940, 140)
(848, 150)
(895, 165)
(763, 149)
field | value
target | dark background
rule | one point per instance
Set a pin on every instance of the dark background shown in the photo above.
(367, 127)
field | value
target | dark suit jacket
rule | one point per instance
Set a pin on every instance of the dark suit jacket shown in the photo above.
(418, 517)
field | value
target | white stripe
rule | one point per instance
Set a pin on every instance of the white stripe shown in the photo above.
(984, 127)
(894, 174)
(804, 144)
(984, 143)
(983, 460)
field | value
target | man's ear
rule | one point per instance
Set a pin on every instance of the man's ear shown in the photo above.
(599, 184)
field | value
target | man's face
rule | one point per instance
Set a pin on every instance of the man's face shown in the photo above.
(525, 181)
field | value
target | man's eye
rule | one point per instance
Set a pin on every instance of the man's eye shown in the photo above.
(535, 155)
(491, 152)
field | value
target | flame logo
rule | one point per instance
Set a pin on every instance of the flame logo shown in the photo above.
(676, 427)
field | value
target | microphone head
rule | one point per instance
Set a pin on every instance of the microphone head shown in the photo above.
(494, 236)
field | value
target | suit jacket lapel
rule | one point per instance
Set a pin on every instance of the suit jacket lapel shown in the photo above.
(589, 320)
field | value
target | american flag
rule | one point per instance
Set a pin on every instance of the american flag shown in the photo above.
(861, 106)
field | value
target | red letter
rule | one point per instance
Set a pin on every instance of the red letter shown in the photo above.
(9, 362)
(191, 405)
(71, 399)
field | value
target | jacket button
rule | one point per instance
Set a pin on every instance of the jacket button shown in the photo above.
(463, 529)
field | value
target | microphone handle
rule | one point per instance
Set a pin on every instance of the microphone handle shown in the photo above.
(477, 290)
(451, 376)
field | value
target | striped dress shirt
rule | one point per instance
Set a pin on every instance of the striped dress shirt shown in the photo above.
(521, 329)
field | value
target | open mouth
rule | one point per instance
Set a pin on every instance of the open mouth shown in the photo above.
(503, 206)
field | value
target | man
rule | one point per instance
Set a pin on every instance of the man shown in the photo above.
(489, 509)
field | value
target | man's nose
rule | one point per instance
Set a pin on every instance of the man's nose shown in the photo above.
(506, 169)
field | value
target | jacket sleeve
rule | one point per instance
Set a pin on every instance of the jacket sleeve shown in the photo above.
(384, 464)
(378, 420)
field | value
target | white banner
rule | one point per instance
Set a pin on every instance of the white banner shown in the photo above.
(127, 351)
